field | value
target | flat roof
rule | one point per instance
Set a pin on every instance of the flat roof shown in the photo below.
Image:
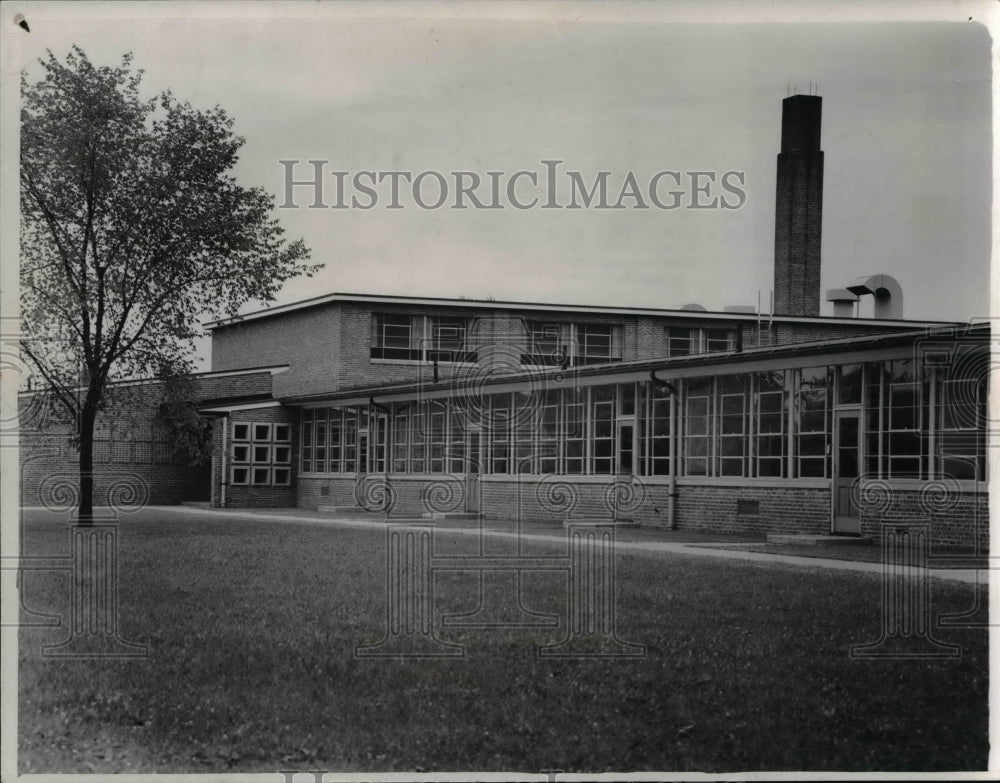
(488, 304)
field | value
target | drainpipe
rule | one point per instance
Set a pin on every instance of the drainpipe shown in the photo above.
(222, 461)
(659, 383)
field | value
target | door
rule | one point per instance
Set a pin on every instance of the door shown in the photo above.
(472, 474)
(846, 467)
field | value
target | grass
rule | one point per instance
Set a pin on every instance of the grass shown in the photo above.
(252, 627)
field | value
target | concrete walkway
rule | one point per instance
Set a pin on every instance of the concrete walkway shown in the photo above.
(298, 516)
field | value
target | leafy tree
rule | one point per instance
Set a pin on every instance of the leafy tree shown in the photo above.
(133, 228)
(190, 433)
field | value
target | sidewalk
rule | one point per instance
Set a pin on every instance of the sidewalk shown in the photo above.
(493, 528)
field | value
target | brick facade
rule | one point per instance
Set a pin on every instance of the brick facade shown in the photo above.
(238, 496)
(799, 208)
(956, 518)
(712, 506)
(328, 347)
(133, 455)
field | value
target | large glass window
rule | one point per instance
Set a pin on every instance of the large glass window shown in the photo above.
(733, 425)
(500, 418)
(813, 418)
(961, 418)
(422, 338)
(400, 438)
(602, 429)
(770, 424)
(563, 343)
(320, 431)
(682, 341)
(659, 432)
(548, 432)
(436, 434)
(456, 449)
(350, 457)
(418, 439)
(575, 429)
(395, 336)
(902, 444)
(548, 343)
(718, 340)
(523, 411)
(306, 463)
(896, 415)
(849, 384)
(448, 340)
(873, 407)
(335, 440)
(596, 344)
(697, 426)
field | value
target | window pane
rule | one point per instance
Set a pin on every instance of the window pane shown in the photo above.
(849, 384)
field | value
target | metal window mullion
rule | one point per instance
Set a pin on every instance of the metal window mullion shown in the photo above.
(932, 467)
(793, 379)
(881, 420)
(713, 391)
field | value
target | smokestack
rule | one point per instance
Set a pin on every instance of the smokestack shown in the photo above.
(799, 209)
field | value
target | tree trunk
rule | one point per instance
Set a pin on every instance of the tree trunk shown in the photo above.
(88, 416)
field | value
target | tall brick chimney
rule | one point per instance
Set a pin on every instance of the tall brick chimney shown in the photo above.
(798, 219)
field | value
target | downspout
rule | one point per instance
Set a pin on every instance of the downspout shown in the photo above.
(222, 462)
(672, 486)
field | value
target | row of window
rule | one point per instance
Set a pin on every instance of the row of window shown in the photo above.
(548, 343)
(776, 424)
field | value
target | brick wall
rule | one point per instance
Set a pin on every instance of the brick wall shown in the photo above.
(132, 453)
(328, 347)
(131, 447)
(715, 507)
(239, 496)
(306, 340)
(411, 497)
(956, 519)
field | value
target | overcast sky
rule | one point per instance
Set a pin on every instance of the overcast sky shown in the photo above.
(906, 132)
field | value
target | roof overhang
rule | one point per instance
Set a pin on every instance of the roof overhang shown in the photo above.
(900, 345)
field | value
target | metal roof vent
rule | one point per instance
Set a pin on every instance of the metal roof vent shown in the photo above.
(843, 302)
(887, 291)
(694, 306)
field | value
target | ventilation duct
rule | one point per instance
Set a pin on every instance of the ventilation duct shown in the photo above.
(888, 295)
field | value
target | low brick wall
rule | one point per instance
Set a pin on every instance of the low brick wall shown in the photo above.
(753, 509)
(412, 496)
(956, 518)
(740, 509)
(50, 477)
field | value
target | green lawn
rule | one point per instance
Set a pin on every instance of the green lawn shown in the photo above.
(252, 627)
